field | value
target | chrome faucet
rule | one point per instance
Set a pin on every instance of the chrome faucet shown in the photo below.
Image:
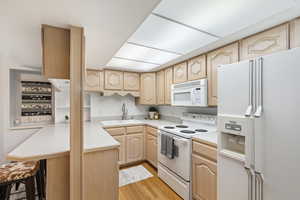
(124, 111)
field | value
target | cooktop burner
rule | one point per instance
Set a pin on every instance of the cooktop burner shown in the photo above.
(187, 131)
(169, 127)
(181, 126)
(201, 130)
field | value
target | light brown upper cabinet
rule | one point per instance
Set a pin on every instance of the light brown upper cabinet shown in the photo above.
(113, 80)
(148, 88)
(160, 77)
(180, 72)
(56, 52)
(197, 68)
(94, 80)
(272, 40)
(131, 81)
(295, 33)
(225, 55)
(168, 84)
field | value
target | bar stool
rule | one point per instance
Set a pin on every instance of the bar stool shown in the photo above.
(19, 172)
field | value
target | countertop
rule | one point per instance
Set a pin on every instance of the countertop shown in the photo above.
(53, 141)
(210, 138)
(118, 123)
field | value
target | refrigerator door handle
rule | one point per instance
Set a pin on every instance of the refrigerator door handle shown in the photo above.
(250, 105)
(259, 184)
(259, 88)
(250, 182)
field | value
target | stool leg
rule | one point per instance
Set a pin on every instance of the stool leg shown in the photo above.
(30, 188)
(43, 164)
(39, 186)
(17, 186)
(5, 191)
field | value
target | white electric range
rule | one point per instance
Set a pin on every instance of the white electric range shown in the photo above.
(176, 171)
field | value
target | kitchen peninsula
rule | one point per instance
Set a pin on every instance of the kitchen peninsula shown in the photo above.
(100, 160)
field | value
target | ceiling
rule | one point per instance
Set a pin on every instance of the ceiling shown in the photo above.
(139, 35)
(108, 24)
(175, 28)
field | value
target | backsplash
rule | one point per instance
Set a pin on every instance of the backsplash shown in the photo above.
(62, 104)
(110, 107)
(173, 111)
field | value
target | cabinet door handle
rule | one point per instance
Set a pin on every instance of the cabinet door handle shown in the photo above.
(250, 181)
(259, 89)
(250, 105)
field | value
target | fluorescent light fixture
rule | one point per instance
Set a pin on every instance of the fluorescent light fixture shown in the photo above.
(125, 64)
(145, 54)
(221, 17)
(164, 34)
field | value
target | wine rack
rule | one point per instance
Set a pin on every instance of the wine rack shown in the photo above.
(36, 102)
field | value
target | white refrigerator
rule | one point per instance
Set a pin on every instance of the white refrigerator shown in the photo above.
(259, 128)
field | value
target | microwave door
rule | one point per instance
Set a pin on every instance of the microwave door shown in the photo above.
(182, 98)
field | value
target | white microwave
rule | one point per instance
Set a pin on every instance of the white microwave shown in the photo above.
(192, 93)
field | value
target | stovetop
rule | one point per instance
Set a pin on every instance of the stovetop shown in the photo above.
(193, 124)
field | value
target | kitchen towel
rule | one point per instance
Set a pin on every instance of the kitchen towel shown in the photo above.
(170, 147)
(163, 144)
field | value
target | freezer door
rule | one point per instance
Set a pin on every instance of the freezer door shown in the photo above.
(277, 131)
(235, 93)
(235, 106)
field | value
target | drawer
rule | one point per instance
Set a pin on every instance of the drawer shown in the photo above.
(205, 150)
(152, 131)
(116, 131)
(134, 129)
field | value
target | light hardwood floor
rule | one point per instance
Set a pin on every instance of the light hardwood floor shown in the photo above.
(149, 189)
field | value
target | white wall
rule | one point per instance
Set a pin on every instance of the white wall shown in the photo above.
(9, 138)
(112, 106)
(1, 109)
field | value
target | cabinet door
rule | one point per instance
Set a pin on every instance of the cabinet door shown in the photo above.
(56, 52)
(113, 80)
(197, 68)
(148, 88)
(168, 84)
(295, 33)
(134, 147)
(160, 87)
(151, 149)
(122, 155)
(180, 72)
(273, 40)
(131, 81)
(204, 178)
(93, 80)
(226, 55)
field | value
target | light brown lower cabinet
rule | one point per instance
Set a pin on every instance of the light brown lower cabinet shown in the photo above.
(122, 152)
(97, 166)
(151, 149)
(137, 143)
(135, 147)
(204, 172)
